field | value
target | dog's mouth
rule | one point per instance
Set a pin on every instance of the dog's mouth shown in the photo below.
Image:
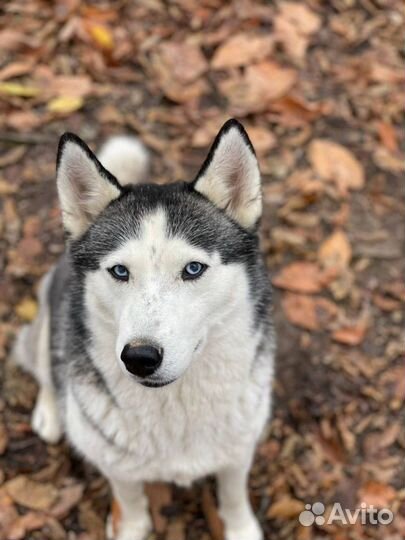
(156, 384)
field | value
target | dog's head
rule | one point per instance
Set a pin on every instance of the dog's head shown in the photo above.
(159, 266)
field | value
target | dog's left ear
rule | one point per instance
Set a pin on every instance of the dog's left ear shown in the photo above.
(85, 187)
(230, 176)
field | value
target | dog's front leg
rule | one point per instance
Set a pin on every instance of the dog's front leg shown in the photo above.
(134, 522)
(234, 505)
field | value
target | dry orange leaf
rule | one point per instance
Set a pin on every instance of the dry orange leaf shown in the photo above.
(335, 252)
(309, 312)
(241, 50)
(184, 61)
(159, 495)
(31, 494)
(351, 334)
(337, 164)
(210, 510)
(285, 508)
(377, 494)
(294, 24)
(299, 276)
(115, 516)
(260, 84)
(262, 139)
(15, 69)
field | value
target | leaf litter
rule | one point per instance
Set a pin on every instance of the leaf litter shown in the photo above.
(319, 87)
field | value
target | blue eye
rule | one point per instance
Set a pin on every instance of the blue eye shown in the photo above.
(120, 272)
(193, 270)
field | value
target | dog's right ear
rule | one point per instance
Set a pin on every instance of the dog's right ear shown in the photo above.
(85, 187)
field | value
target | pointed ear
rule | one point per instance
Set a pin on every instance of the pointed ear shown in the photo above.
(85, 188)
(230, 176)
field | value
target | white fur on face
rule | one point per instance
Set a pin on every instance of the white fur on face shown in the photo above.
(156, 304)
(83, 191)
(232, 179)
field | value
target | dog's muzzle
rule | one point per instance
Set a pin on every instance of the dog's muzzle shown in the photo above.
(142, 360)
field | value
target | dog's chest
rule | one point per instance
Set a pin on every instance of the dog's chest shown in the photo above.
(178, 435)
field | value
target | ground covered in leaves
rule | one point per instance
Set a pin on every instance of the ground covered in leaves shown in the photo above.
(319, 87)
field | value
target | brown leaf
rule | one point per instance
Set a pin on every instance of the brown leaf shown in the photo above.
(15, 69)
(67, 499)
(3, 437)
(12, 156)
(176, 531)
(160, 495)
(301, 16)
(184, 61)
(262, 139)
(31, 494)
(377, 494)
(299, 276)
(311, 313)
(353, 334)
(337, 164)
(24, 524)
(285, 508)
(388, 136)
(23, 120)
(242, 49)
(210, 510)
(293, 25)
(335, 252)
(260, 84)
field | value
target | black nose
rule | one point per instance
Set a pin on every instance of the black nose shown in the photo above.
(142, 360)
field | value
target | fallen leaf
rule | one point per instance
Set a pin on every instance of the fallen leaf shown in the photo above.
(301, 16)
(300, 276)
(27, 309)
(68, 497)
(285, 508)
(241, 50)
(211, 514)
(23, 120)
(184, 61)
(159, 495)
(3, 438)
(176, 531)
(101, 35)
(262, 139)
(335, 252)
(293, 26)
(31, 494)
(351, 334)
(377, 494)
(65, 104)
(258, 86)
(31, 521)
(337, 164)
(12, 156)
(19, 90)
(309, 312)
(388, 136)
(15, 69)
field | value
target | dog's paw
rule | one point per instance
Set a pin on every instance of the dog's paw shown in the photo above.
(129, 530)
(249, 531)
(45, 420)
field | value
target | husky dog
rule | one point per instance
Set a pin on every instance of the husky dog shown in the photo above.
(153, 346)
